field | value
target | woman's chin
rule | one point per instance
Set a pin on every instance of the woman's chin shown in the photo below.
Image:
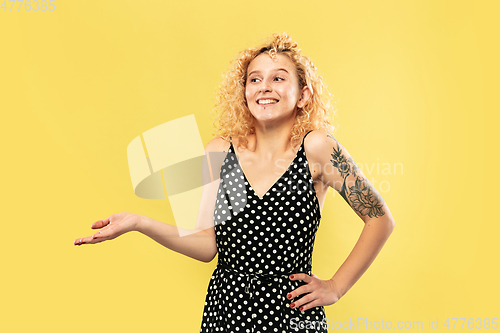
(267, 119)
(270, 116)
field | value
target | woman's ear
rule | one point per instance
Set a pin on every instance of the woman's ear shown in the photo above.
(304, 96)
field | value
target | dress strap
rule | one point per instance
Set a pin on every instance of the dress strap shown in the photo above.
(305, 136)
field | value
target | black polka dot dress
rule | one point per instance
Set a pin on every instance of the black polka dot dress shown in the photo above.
(261, 242)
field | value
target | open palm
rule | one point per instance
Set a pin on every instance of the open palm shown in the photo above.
(111, 227)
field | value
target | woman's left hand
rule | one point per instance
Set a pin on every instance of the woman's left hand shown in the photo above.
(319, 292)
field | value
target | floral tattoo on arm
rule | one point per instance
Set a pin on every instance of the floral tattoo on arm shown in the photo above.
(362, 197)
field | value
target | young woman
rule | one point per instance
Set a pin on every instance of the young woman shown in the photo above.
(262, 214)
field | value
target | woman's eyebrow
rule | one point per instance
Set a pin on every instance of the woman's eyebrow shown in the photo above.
(276, 70)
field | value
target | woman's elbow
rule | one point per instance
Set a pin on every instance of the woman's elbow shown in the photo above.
(383, 225)
(390, 226)
(208, 257)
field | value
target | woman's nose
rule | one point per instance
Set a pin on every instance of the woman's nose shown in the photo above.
(265, 87)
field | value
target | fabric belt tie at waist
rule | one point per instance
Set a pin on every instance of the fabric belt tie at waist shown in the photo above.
(269, 278)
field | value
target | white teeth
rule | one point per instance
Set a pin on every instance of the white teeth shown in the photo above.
(267, 101)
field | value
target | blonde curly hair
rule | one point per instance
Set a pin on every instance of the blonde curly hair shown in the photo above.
(232, 116)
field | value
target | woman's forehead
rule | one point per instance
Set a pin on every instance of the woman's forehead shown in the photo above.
(265, 61)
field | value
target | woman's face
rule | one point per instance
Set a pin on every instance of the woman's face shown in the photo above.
(272, 89)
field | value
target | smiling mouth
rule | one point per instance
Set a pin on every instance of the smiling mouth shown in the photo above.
(269, 101)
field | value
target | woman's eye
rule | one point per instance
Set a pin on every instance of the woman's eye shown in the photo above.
(253, 79)
(279, 78)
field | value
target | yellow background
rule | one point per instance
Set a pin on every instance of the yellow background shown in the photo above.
(415, 83)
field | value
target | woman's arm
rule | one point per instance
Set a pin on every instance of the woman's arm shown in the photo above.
(339, 171)
(373, 237)
(198, 243)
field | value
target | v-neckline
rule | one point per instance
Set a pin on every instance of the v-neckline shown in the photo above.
(274, 184)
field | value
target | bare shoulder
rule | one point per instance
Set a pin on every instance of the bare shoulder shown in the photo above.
(317, 142)
(321, 149)
(215, 152)
(217, 144)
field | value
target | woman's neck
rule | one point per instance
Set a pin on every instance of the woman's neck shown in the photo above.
(271, 141)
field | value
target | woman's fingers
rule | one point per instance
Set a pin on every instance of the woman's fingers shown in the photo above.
(95, 238)
(101, 223)
(310, 305)
(299, 291)
(86, 240)
(301, 276)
